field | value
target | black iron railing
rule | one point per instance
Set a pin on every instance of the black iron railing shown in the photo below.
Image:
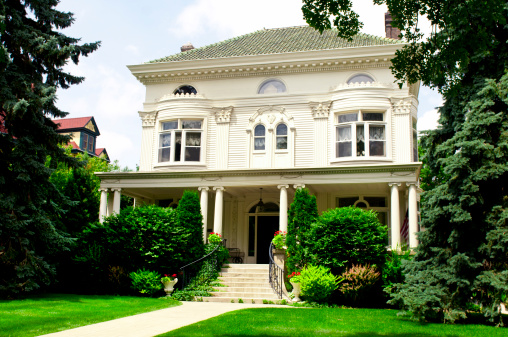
(276, 275)
(209, 270)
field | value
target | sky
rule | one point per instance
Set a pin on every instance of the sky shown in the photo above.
(134, 32)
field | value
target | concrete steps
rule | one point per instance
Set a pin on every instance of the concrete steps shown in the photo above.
(247, 283)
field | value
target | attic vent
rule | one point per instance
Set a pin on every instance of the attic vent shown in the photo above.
(187, 46)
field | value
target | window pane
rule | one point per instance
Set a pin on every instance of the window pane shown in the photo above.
(348, 118)
(360, 78)
(193, 139)
(282, 130)
(344, 149)
(272, 87)
(259, 143)
(372, 116)
(85, 141)
(282, 143)
(170, 125)
(343, 133)
(259, 130)
(376, 201)
(90, 143)
(377, 148)
(191, 124)
(165, 140)
(360, 141)
(164, 154)
(376, 132)
(361, 204)
(178, 145)
(192, 153)
(348, 201)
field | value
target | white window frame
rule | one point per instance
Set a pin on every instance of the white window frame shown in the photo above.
(254, 137)
(276, 135)
(184, 145)
(366, 126)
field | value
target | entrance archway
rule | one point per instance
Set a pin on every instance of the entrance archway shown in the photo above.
(263, 223)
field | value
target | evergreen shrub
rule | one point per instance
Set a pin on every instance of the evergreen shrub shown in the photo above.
(317, 283)
(146, 282)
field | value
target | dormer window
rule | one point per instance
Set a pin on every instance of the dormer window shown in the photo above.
(360, 134)
(180, 141)
(360, 78)
(185, 89)
(272, 86)
(88, 143)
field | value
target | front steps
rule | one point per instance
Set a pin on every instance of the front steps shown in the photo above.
(245, 282)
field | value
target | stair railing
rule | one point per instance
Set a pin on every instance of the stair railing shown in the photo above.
(276, 275)
(188, 275)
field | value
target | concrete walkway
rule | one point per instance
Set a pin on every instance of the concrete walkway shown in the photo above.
(157, 322)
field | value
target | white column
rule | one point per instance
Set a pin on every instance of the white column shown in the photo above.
(395, 216)
(103, 210)
(110, 203)
(116, 200)
(283, 210)
(413, 215)
(204, 209)
(219, 201)
(297, 186)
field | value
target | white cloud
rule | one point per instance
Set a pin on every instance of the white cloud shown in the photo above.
(132, 49)
(428, 120)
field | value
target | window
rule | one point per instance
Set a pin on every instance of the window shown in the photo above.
(360, 78)
(281, 137)
(272, 87)
(185, 89)
(180, 141)
(360, 134)
(90, 143)
(259, 137)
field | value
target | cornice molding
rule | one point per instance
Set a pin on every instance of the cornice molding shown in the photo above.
(169, 97)
(223, 115)
(320, 109)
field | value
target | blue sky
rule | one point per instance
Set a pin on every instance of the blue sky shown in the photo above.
(133, 32)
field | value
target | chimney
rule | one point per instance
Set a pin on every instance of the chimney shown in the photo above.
(391, 32)
(187, 46)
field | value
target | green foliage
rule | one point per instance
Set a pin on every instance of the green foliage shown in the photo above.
(346, 236)
(33, 51)
(392, 269)
(190, 222)
(317, 283)
(358, 282)
(279, 239)
(214, 238)
(146, 282)
(302, 213)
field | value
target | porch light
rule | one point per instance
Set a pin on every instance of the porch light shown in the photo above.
(260, 207)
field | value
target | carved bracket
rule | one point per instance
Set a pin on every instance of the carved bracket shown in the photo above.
(223, 115)
(148, 118)
(320, 109)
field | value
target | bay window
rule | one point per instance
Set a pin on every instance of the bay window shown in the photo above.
(180, 141)
(360, 134)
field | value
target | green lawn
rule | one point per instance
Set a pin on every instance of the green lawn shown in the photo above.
(326, 322)
(56, 312)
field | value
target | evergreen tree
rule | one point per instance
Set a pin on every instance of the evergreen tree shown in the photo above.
(462, 256)
(302, 213)
(33, 52)
(191, 224)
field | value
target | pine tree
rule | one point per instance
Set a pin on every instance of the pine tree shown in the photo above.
(302, 213)
(33, 51)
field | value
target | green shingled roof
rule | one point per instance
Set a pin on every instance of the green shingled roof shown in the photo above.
(277, 41)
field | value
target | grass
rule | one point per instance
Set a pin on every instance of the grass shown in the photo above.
(51, 313)
(271, 322)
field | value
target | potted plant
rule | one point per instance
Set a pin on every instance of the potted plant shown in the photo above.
(279, 240)
(215, 238)
(294, 279)
(169, 282)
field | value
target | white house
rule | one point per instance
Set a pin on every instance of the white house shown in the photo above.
(267, 113)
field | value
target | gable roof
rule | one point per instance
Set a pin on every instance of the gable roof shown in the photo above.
(278, 41)
(69, 124)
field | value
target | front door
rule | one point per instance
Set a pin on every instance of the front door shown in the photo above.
(267, 226)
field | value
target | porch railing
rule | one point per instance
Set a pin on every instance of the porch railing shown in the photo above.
(193, 269)
(276, 275)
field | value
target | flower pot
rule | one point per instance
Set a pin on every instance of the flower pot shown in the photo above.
(169, 286)
(296, 291)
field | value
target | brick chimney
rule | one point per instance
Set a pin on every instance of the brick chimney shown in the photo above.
(187, 46)
(391, 32)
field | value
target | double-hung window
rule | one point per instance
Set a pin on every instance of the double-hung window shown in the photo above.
(180, 141)
(360, 134)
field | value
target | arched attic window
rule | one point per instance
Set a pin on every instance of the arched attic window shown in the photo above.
(185, 89)
(272, 86)
(360, 78)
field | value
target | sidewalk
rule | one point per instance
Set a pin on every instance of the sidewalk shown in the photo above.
(157, 322)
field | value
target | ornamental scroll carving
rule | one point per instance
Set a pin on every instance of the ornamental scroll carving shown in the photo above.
(148, 118)
(223, 115)
(320, 109)
(270, 116)
(401, 106)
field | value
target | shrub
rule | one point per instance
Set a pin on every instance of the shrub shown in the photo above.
(302, 213)
(358, 281)
(392, 269)
(279, 239)
(346, 236)
(317, 283)
(146, 282)
(214, 238)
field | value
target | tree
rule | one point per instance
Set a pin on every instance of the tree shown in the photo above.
(302, 213)
(34, 50)
(462, 256)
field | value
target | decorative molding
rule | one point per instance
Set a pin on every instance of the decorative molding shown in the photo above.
(320, 109)
(270, 116)
(401, 106)
(395, 184)
(223, 115)
(281, 186)
(297, 186)
(216, 188)
(357, 85)
(148, 118)
(178, 96)
(203, 188)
